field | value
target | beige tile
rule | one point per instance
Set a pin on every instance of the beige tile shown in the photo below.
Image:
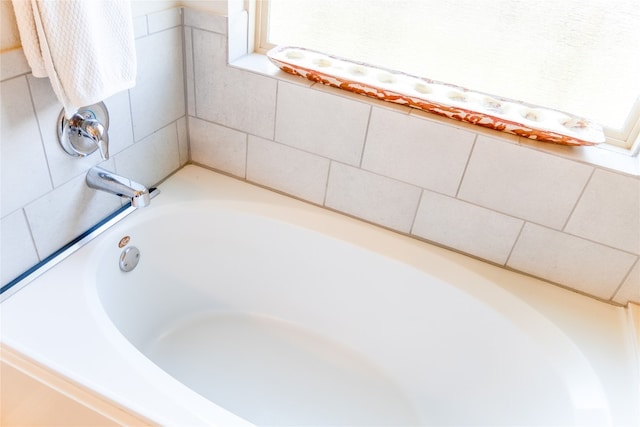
(64, 167)
(372, 197)
(24, 173)
(120, 123)
(218, 147)
(609, 211)
(321, 123)
(205, 21)
(477, 231)
(525, 183)
(158, 97)
(66, 212)
(230, 97)
(13, 64)
(571, 261)
(151, 160)
(286, 169)
(17, 249)
(417, 151)
(140, 27)
(209, 65)
(165, 19)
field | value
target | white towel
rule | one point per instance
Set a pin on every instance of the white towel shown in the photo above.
(85, 47)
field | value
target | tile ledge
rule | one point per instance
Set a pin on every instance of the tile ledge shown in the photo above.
(602, 156)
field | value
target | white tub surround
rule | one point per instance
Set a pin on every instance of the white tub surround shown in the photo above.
(213, 246)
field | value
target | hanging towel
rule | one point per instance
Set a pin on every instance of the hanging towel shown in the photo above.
(85, 47)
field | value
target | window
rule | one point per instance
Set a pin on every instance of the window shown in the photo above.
(578, 56)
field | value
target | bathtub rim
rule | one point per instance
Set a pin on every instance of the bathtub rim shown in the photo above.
(583, 384)
(37, 270)
(230, 194)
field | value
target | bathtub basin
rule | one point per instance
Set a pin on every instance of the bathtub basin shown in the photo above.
(250, 308)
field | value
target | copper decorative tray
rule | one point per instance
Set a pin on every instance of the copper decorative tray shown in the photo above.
(506, 115)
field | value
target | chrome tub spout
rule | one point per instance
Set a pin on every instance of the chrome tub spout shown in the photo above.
(104, 180)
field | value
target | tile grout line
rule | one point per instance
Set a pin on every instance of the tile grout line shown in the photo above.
(578, 199)
(275, 111)
(515, 243)
(326, 185)
(415, 214)
(185, 78)
(624, 279)
(33, 239)
(466, 166)
(366, 135)
(42, 143)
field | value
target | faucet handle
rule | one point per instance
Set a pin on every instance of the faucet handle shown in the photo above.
(85, 131)
(96, 132)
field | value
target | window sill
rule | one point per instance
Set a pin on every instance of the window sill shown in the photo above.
(604, 155)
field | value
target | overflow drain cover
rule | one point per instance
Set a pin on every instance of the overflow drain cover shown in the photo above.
(129, 258)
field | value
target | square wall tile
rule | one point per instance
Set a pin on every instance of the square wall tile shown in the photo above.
(286, 169)
(228, 96)
(13, 64)
(140, 27)
(630, 289)
(209, 64)
(158, 97)
(218, 147)
(477, 231)
(165, 19)
(151, 160)
(17, 249)
(417, 151)
(64, 167)
(24, 173)
(66, 212)
(609, 211)
(522, 182)
(571, 261)
(372, 197)
(120, 124)
(205, 21)
(321, 123)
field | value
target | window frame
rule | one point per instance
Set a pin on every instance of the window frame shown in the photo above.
(626, 140)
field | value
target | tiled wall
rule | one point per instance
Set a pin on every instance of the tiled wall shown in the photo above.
(45, 202)
(499, 198)
(506, 200)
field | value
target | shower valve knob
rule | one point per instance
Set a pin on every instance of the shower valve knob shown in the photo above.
(85, 132)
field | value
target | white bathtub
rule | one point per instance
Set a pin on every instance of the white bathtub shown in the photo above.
(248, 307)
